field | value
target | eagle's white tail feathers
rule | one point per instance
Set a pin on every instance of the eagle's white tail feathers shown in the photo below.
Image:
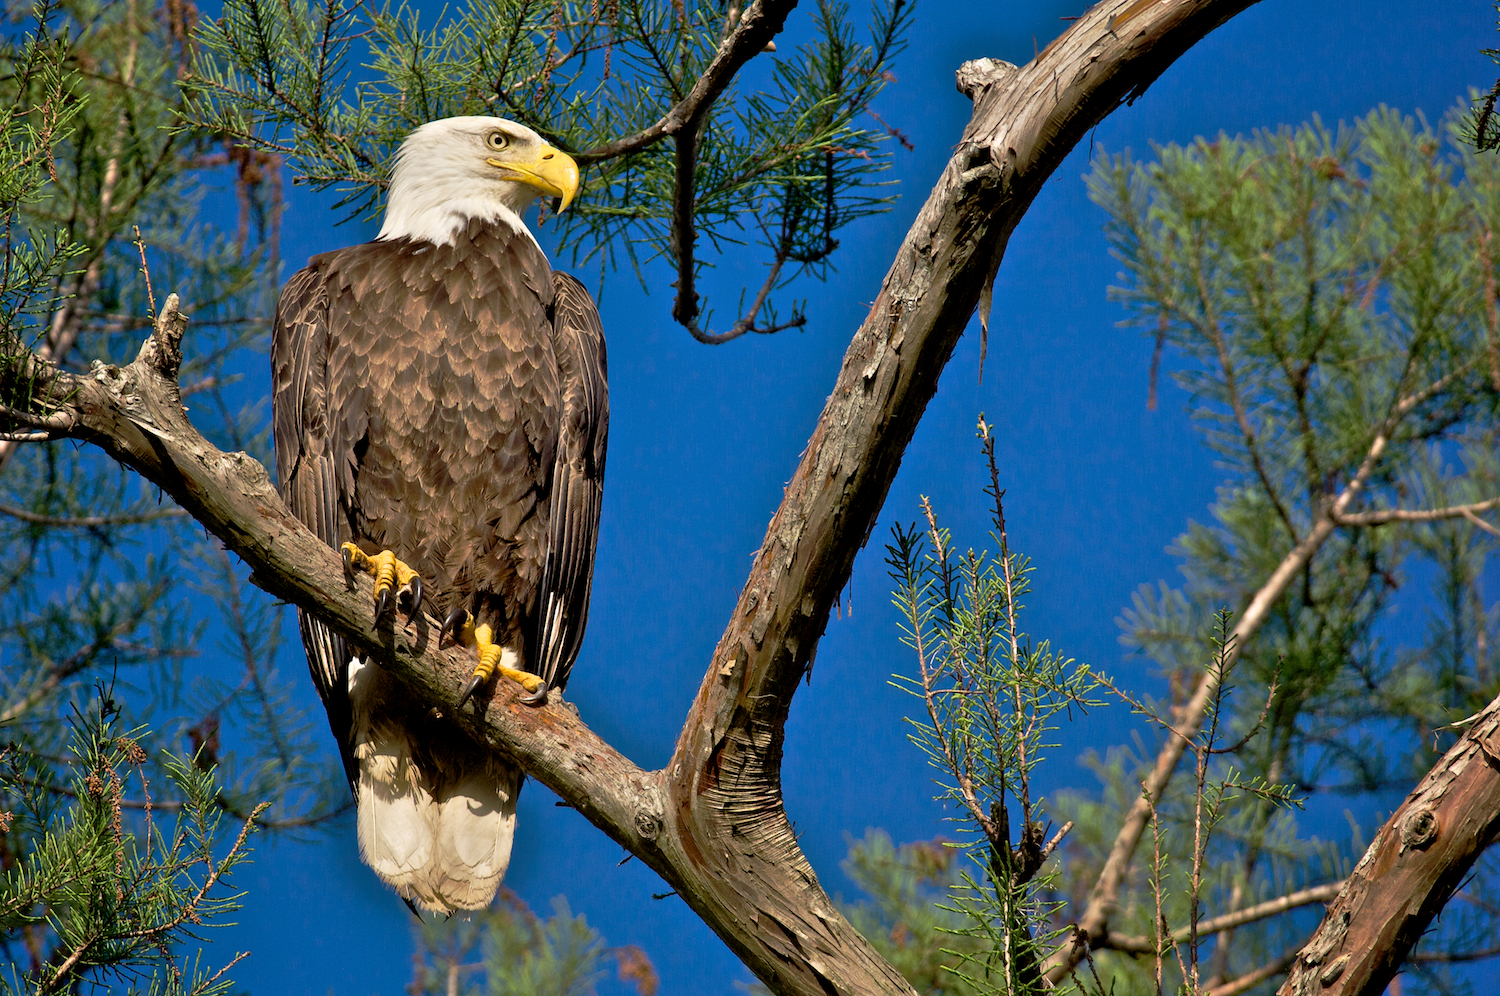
(477, 822)
(441, 839)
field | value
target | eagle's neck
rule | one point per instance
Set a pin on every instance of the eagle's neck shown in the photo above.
(436, 208)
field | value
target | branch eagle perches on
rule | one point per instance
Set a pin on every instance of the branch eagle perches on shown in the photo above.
(711, 823)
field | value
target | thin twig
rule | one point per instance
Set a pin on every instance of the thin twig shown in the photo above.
(760, 22)
(1105, 894)
(91, 521)
(1135, 944)
(1251, 979)
(140, 245)
(1381, 516)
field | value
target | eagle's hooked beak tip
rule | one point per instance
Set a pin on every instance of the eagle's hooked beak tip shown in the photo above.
(553, 173)
(564, 170)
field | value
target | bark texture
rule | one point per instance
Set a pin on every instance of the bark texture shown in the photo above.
(1409, 873)
(711, 823)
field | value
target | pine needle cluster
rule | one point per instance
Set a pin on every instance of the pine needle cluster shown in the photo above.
(508, 950)
(784, 157)
(993, 701)
(102, 881)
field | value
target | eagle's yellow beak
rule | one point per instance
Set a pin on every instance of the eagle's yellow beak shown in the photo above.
(552, 171)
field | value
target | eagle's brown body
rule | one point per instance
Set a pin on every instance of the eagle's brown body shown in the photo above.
(446, 403)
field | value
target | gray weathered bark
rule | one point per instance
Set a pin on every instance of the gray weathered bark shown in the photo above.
(711, 823)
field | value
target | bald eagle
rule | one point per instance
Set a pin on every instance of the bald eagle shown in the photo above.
(440, 413)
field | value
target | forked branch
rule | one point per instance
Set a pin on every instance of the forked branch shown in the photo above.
(711, 823)
(761, 22)
(1093, 924)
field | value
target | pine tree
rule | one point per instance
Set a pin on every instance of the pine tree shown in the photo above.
(1327, 302)
(102, 188)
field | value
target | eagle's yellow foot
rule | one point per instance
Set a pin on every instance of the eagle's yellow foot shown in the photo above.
(461, 624)
(390, 574)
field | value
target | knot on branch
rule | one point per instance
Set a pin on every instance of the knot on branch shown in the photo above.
(648, 825)
(1419, 828)
(977, 74)
(162, 350)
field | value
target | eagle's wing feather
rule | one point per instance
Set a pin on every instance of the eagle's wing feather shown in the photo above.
(305, 465)
(577, 481)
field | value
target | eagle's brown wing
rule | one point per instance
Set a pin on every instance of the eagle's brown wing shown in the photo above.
(577, 481)
(305, 467)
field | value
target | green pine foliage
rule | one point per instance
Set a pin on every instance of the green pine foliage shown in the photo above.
(507, 950)
(1326, 299)
(104, 876)
(1480, 128)
(784, 159)
(103, 196)
(906, 916)
(103, 188)
(1329, 295)
(993, 701)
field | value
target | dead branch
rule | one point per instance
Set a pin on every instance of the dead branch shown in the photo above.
(1380, 516)
(761, 22)
(91, 521)
(1228, 921)
(1255, 977)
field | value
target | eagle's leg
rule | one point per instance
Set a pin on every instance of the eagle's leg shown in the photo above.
(390, 575)
(482, 638)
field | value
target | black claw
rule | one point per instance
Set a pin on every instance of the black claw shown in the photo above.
(383, 605)
(455, 619)
(348, 566)
(469, 689)
(415, 588)
(538, 697)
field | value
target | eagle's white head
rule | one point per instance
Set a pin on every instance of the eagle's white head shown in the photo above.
(452, 170)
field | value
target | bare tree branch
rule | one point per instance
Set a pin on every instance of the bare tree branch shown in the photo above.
(1455, 957)
(1094, 923)
(761, 22)
(1254, 978)
(1228, 921)
(91, 521)
(1380, 516)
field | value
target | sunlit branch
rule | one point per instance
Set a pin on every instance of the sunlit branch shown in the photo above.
(1381, 516)
(1254, 978)
(1094, 921)
(757, 26)
(1133, 944)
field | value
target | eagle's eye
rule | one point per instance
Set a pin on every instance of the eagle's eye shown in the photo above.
(496, 140)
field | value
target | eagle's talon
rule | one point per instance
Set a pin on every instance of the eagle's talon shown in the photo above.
(347, 551)
(537, 697)
(414, 592)
(383, 605)
(470, 689)
(453, 624)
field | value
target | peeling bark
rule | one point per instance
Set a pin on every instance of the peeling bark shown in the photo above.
(1409, 873)
(711, 823)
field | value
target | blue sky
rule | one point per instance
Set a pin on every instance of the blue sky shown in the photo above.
(703, 439)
